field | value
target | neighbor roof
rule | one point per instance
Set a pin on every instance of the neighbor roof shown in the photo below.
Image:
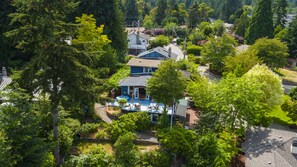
(135, 81)
(160, 50)
(5, 81)
(144, 62)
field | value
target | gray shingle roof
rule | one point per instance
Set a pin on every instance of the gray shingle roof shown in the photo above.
(135, 81)
(160, 50)
(144, 63)
(6, 81)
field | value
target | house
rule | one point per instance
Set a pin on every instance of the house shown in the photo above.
(270, 147)
(158, 53)
(140, 71)
(4, 79)
(137, 42)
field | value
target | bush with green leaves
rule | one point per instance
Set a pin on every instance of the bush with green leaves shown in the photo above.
(96, 157)
(160, 40)
(122, 102)
(156, 158)
(194, 49)
(128, 123)
(89, 128)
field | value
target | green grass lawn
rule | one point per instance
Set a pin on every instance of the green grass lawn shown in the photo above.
(280, 117)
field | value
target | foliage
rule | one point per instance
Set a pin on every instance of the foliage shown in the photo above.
(5, 150)
(125, 150)
(89, 128)
(167, 84)
(107, 13)
(160, 11)
(153, 158)
(272, 51)
(242, 23)
(114, 80)
(160, 40)
(198, 14)
(240, 63)
(280, 10)
(262, 22)
(128, 123)
(193, 49)
(293, 94)
(270, 82)
(96, 157)
(21, 131)
(290, 107)
(178, 140)
(292, 38)
(122, 102)
(219, 27)
(132, 14)
(216, 49)
(229, 8)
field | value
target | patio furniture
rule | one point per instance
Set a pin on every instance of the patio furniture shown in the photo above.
(122, 97)
(137, 105)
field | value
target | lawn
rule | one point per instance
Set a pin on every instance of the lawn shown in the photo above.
(85, 147)
(280, 117)
(288, 75)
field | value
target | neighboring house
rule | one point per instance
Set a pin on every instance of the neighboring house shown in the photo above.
(158, 53)
(270, 147)
(140, 71)
(137, 42)
(4, 79)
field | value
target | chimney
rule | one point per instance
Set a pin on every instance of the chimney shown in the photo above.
(4, 72)
(169, 52)
(137, 38)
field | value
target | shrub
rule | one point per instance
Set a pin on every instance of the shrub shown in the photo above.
(89, 128)
(193, 49)
(159, 31)
(160, 40)
(154, 158)
(122, 102)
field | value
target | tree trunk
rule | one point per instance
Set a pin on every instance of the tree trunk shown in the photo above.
(55, 128)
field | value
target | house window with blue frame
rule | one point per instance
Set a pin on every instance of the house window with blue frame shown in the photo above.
(147, 69)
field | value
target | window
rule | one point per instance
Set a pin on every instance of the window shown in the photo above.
(147, 69)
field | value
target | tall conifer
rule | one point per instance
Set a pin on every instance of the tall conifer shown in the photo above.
(262, 22)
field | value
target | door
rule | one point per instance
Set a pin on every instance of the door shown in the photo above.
(136, 93)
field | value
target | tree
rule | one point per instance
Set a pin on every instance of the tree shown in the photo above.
(160, 11)
(281, 13)
(131, 12)
(216, 49)
(20, 126)
(160, 40)
(154, 158)
(107, 13)
(167, 84)
(125, 150)
(178, 140)
(242, 23)
(229, 8)
(261, 23)
(57, 68)
(199, 13)
(272, 52)
(240, 63)
(271, 84)
(292, 38)
(5, 150)
(219, 27)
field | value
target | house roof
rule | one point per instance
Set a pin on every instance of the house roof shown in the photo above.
(4, 82)
(144, 62)
(270, 147)
(135, 80)
(161, 51)
(142, 35)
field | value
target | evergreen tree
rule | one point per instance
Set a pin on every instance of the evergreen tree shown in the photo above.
(262, 22)
(242, 23)
(160, 12)
(292, 38)
(61, 70)
(193, 20)
(107, 12)
(131, 12)
(229, 8)
(281, 12)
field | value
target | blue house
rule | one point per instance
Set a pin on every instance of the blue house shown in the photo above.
(140, 71)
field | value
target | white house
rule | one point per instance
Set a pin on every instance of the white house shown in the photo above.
(137, 42)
